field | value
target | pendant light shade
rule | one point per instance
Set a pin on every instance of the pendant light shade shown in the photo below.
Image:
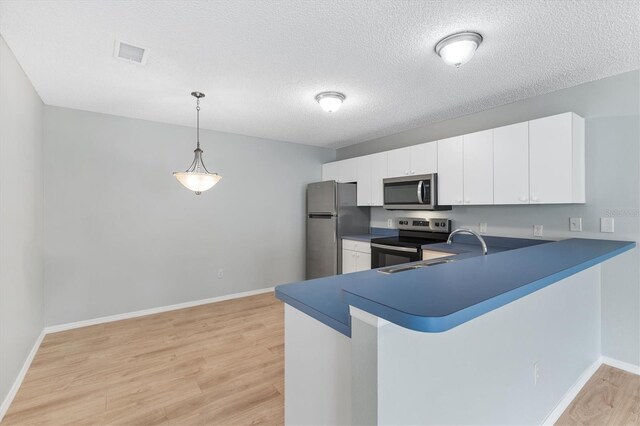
(197, 178)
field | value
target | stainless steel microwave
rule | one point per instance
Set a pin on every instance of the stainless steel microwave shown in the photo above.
(416, 192)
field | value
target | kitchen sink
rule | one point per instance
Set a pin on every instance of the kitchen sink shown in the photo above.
(423, 264)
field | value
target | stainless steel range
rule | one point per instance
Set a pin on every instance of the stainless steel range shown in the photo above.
(414, 233)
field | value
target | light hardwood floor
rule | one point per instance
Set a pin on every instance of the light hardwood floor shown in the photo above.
(216, 364)
(610, 397)
(220, 363)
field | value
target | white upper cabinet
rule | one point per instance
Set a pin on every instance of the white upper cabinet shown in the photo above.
(537, 162)
(478, 168)
(424, 158)
(330, 171)
(364, 180)
(450, 171)
(371, 170)
(348, 170)
(399, 162)
(413, 160)
(556, 159)
(378, 173)
(511, 164)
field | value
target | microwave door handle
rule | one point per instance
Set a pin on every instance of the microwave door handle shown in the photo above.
(420, 198)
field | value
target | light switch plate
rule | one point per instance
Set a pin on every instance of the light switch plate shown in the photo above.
(575, 224)
(538, 230)
(483, 228)
(606, 224)
(389, 223)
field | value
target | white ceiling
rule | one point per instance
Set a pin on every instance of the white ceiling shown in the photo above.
(262, 62)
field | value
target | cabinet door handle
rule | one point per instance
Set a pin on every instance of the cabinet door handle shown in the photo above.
(459, 201)
(523, 199)
(467, 201)
(535, 199)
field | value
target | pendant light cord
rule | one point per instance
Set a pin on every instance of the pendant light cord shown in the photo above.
(198, 122)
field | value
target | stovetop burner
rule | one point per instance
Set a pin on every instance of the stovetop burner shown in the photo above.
(416, 232)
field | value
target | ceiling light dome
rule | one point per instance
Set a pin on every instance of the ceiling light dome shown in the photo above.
(458, 49)
(330, 101)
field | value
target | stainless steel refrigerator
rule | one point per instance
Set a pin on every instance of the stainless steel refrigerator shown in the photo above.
(332, 212)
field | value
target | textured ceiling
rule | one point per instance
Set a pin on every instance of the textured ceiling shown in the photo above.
(262, 62)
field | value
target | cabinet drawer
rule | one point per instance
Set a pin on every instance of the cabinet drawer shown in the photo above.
(359, 246)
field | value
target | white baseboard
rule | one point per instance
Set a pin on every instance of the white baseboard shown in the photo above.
(23, 372)
(635, 369)
(151, 311)
(572, 393)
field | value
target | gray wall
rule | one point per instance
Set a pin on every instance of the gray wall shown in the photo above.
(610, 107)
(21, 197)
(121, 234)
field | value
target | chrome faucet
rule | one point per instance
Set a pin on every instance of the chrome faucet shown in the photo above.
(469, 231)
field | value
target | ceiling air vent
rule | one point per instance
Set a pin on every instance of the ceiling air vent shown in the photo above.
(131, 53)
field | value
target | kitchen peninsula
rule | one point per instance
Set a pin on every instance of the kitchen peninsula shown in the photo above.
(481, 339)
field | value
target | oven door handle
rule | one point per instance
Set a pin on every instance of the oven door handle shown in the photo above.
(394, 248)
(420, 198)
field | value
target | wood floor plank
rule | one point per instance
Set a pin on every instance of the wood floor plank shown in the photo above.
(610, 397)
(216, 364)
(220, 363)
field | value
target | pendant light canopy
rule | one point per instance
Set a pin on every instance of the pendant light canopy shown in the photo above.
(197, 178)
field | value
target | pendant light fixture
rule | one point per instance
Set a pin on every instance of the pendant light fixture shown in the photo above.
(197, 178)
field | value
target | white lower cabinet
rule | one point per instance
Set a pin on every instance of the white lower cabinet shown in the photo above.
(356, 256)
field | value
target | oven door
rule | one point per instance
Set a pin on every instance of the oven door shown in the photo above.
(384, 255)
(410, 193)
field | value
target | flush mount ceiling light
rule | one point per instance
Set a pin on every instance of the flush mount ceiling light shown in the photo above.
(330, 101)
(458, 49)
(197, 178)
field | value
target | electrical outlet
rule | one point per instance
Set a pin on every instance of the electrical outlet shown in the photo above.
(389, 223)
(220, 273)
(538, 230)
(606, 224)
(483, 228)
(575, 224)
(536, 373)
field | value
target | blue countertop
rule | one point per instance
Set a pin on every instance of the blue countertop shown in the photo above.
(440, 297)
